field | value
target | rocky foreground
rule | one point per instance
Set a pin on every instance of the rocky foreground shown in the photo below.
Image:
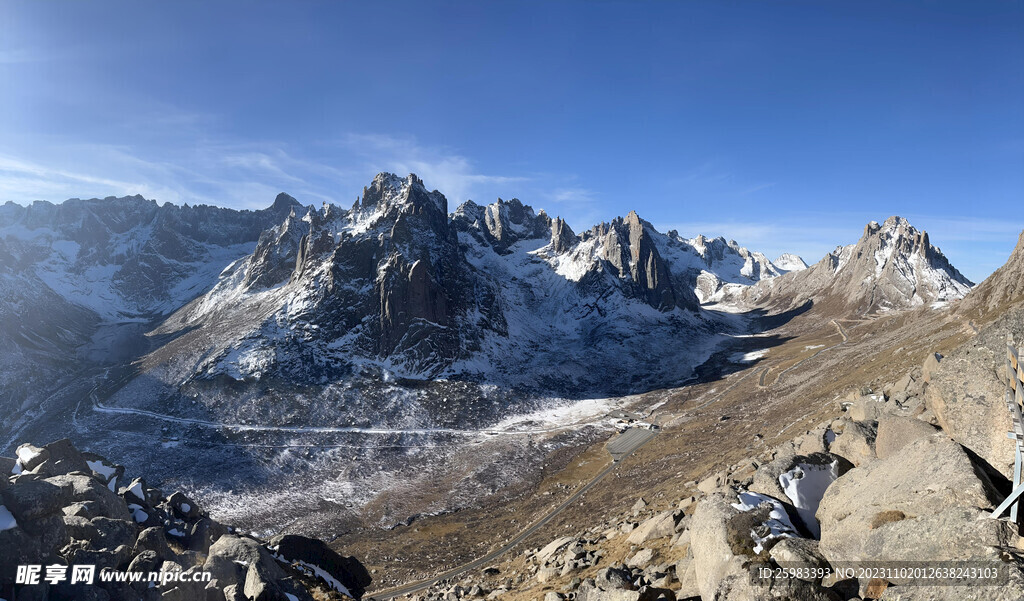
(906, 474)
(63, 507)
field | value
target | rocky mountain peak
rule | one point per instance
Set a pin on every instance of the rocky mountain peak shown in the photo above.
(388, 189)
(790, 262)
(502, 223)
(285, 202)
(893, 266)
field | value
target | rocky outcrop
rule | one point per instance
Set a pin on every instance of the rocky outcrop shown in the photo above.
(1001, 290)
(63, 507)
(923, 502)
(562, 236)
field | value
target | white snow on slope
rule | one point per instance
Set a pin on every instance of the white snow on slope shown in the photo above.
(779, 525)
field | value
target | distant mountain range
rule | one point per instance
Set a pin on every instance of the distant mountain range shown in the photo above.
(240, 313)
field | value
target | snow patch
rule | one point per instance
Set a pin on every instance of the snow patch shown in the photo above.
(323, 575)
(748, 357)
(778, 524)
(101, 468)
(805, 485)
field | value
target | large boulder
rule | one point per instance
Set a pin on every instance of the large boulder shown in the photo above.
(799, 480)
(726, 559)
(60, 458)
(86, 488)
(896, 432)
(659, 526)
(29, 500)
(966, 393)
(921, 503)
(855, 441)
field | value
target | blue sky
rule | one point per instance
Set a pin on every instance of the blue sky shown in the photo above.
(784, 125)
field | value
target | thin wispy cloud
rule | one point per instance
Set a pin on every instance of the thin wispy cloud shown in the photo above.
(441, 168)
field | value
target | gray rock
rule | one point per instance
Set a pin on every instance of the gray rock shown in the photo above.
(712, 482)
(17, 547)
(930, 367)
(641, 558)
(346, 570)
(80, 528)
(113, 533)
(84, 509)
(61, 458)
(203, 533)
(614, 578)
(29, 500)
(659, 526)
(867, 408)
(799, 553)
(639, 506)
(31, 456)
(144, 562)
(109, 559)
(724, 561)
(232, 592)
(966, 394)
(86, 488)
(856, 443)
(896, 432)
(184, 507)
(922, 502)
(153, 539)
(549, 550)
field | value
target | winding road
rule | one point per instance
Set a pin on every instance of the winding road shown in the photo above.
(764, 373)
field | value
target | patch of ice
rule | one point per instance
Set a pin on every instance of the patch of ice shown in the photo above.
(101, 468)
(805, 485)
(136, 490)
(811, 347)
(748, 357)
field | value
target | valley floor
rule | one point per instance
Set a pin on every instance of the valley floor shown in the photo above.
(808, 365)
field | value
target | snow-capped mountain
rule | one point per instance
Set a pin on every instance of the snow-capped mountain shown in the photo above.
(81, 278)
(394, 310)
(725, 266)
(495, 295)
(893, 266)
(789, 262)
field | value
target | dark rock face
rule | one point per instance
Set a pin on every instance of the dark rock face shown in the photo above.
(562, 236)
(46, 529)
(632, 256)
(346, 570)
